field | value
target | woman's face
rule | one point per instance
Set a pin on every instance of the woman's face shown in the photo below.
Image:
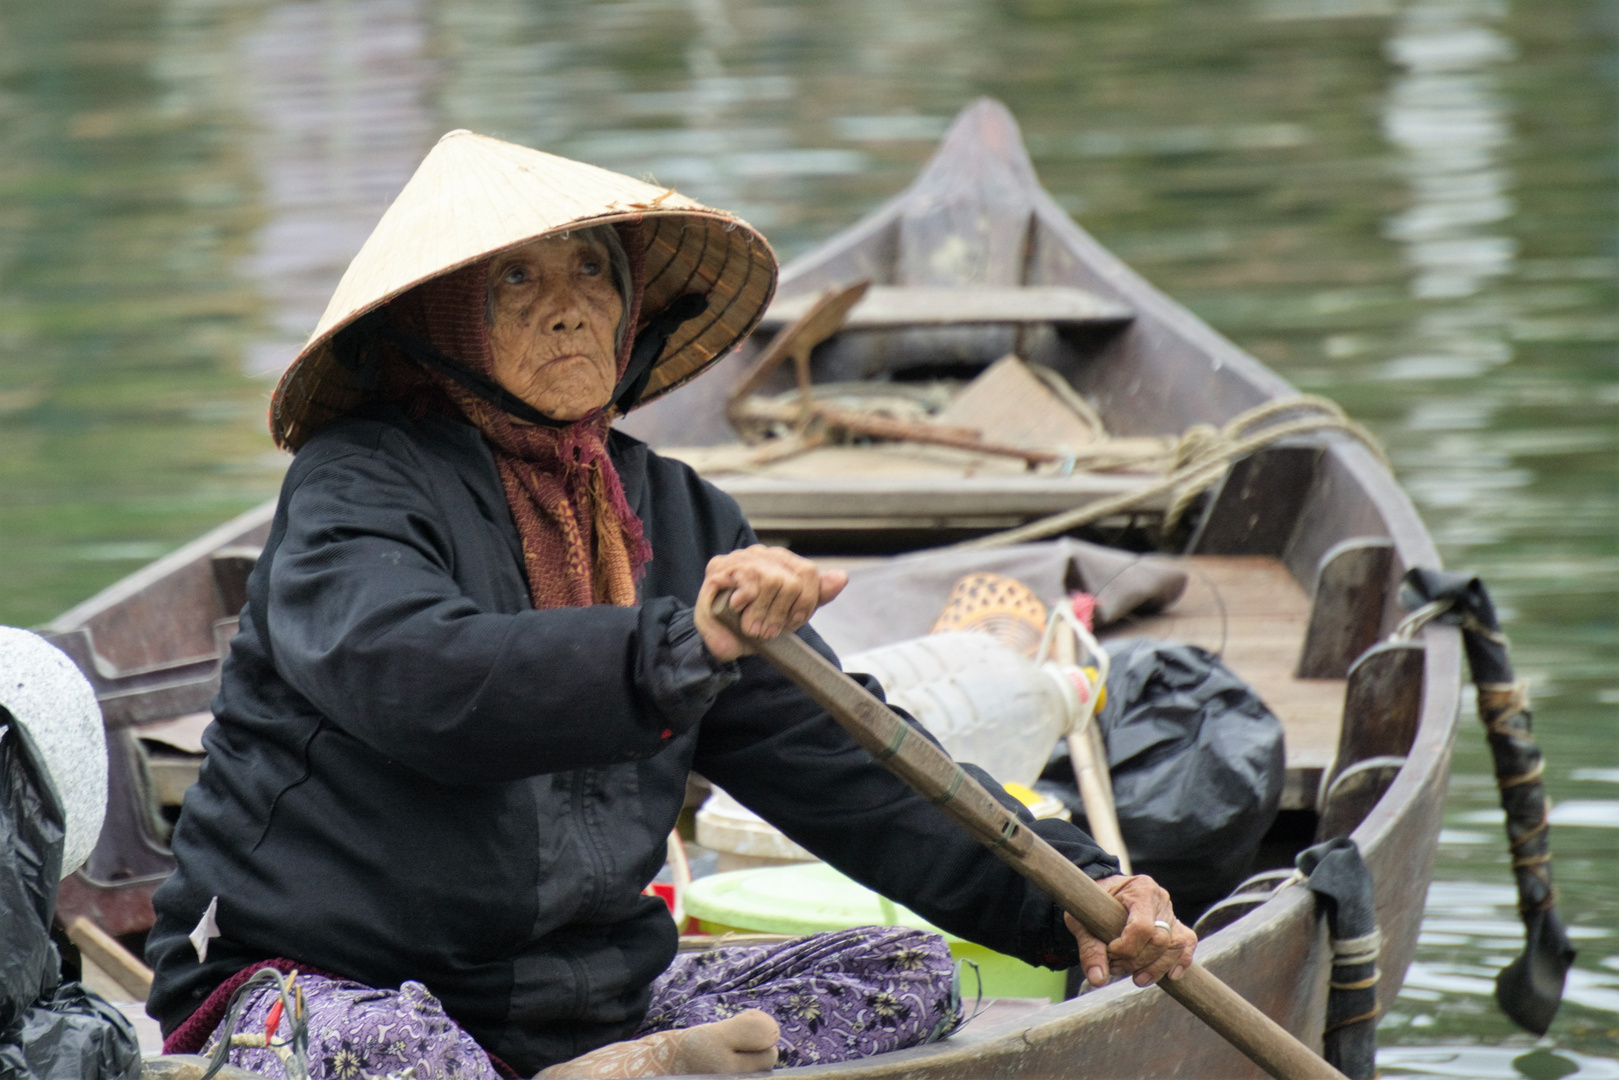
(556, 312)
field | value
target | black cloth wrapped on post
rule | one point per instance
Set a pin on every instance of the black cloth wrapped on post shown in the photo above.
(49, 1030)
(1342, 884)
(1530, 989)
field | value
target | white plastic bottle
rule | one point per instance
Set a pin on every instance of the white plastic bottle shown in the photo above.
(987, 704)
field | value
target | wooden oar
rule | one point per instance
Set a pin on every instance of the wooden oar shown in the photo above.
(937, 778)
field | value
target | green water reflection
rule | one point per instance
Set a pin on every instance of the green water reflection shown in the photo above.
(1409, 205)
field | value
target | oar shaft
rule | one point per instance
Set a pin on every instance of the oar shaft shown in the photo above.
(933, 774)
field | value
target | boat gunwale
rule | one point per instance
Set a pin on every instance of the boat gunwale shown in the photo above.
(194, 551)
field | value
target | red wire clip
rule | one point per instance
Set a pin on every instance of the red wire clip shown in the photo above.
(272, 1020)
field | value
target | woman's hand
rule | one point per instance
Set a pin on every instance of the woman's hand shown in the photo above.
(773, 591)
(1143, 949)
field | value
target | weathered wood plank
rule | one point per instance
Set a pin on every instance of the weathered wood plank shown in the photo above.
(189, 1067)
(1382, 706)
(1256, 506)
(922, 496)
(891, 307)
(103, 950)
(172, 776)
(158, 692)
(1353, 793)
(1347, 612)
(789, 528)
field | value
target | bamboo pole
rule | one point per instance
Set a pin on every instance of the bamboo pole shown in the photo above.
(104, 950)
(931, 773)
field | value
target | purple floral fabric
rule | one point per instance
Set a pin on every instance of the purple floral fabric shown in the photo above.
(355, 1031)
(836, 996)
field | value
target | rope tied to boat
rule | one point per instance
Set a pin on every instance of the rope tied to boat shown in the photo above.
(1466, 621)
(1369, 1014)
(1363, 949)
(1196, 462)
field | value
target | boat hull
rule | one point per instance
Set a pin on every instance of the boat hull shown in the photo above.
(152, 642)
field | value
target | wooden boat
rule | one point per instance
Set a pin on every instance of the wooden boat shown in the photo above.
(1297, 557)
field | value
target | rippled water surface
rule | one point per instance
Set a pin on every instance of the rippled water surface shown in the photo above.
(1409, 205)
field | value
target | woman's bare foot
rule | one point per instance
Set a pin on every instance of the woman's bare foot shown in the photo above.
(744, 1043)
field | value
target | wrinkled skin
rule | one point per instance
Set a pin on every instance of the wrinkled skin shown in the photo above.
(555, 317)
(746, 1043)
(773, 592)
(1142, 950)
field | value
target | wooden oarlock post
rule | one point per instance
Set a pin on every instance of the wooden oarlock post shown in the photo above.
(930, 771)
(820, 322)
(1088, 756)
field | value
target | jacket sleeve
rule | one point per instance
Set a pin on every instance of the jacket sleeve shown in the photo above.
(786, 759)
(366, 620)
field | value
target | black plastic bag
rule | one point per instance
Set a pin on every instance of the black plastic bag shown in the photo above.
(1197, 765)
(73, 1034)
(49, 1030)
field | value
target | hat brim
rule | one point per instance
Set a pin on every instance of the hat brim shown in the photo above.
(705, 252)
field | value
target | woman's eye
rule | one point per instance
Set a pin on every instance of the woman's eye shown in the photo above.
(590, 268)
(515, 276)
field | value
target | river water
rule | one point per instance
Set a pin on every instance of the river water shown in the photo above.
(1409, 205)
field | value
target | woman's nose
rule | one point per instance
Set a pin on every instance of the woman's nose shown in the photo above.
(569, 316)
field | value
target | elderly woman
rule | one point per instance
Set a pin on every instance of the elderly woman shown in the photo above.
(478, 663)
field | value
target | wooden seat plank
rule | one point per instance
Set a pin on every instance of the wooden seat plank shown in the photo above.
(922, 497)
(887, 307)
(905, 483)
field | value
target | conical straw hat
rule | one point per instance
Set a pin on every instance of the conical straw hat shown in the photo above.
(473, 196)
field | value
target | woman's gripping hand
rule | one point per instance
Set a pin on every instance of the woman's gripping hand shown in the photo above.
(773, 592)
(1152, 944)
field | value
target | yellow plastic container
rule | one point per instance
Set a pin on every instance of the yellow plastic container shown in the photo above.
(814, 898)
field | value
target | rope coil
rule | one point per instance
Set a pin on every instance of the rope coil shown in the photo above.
(1197, 461)
(1357, 950)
